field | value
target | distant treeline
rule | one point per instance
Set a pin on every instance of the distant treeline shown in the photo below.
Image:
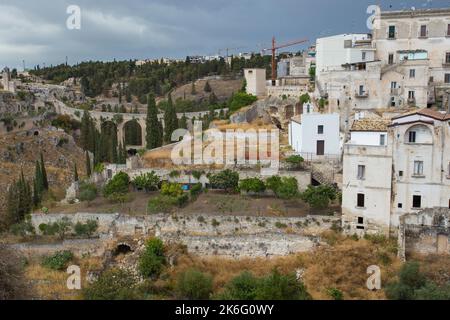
(156, 77)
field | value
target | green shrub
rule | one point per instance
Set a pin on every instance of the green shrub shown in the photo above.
(277, 286)
(86, 229)
(295, 160)
(113, 284)
(99, 168)
(88, 192)
(241, 99)
(319, 197)
(197, 174)
(335, 293)
(22, 229)
(57, 261)
(118, 184)
(60, 228)
(174, 174)
(120, 197)
(410, 280)
(226, 179)
(196, 190)
(252, 185)
(171, 189)
(288, 188)
(194, 285)
(165, 204)
(152, 260)
(148, 181)
(280, 225)
(242, 287)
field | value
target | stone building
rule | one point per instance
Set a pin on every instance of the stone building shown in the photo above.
(395, 168)
(414, 49)
(406, 62)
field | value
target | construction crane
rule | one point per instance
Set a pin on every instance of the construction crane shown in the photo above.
(274, 49)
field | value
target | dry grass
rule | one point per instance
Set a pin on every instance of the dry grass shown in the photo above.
(435, 267)
(342, 266)
(49, 284)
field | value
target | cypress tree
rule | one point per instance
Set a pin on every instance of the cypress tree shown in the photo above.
(207, 87)
(153, 135)
(75, 173)
(183, 122)
(170, 120)
(44, 173)
(36, 194)
(88, 165)
(85, 130)
(12, 205)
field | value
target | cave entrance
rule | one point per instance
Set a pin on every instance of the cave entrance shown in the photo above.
(122, 249)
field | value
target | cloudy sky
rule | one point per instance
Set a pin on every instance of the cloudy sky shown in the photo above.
(35, 31)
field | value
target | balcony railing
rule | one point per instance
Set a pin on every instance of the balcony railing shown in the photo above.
(446, 62)
(396, 91)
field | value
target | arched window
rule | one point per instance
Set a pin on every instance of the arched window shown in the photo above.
(419, 134)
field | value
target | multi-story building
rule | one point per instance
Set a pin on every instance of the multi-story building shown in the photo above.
(405, 63)
(395, 167)
(414, 48)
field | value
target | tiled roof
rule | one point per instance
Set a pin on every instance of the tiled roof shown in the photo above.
(428, 113)
(370, 125)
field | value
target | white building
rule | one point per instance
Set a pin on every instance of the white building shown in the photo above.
(256, 81)
(314, 134)
(335, 51)
(366, 185)
(394, 169)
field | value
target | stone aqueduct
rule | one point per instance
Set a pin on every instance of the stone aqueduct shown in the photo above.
(104, 117)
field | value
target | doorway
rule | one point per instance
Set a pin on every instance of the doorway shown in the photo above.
(320, 150)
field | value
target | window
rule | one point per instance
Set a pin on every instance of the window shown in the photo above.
(418, 168)
(423, 31)
(382, 139)
(360, 200)
(411, 95)
(361, 172)
(400, 205)
(447, 57)
(320, 129)
(400, 173)
(447, 78)
(412, 137)
(412, 73)
(448, 172)
(364, 56)
(360, 220)
(391, 58)
(391, 33)
(448, 30)
(417, 202)
(361, 90)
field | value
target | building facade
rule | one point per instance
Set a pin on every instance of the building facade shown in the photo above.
(396, 168)
(315, 135)
(256, 81)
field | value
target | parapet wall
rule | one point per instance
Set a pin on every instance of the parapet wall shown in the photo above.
(425, 232)
(209, 235)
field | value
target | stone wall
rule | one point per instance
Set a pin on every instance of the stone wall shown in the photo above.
(204, 235)
(425, 232)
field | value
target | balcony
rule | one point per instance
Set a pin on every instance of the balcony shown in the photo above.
(446, 63)
(361, 94)
(411, 101)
